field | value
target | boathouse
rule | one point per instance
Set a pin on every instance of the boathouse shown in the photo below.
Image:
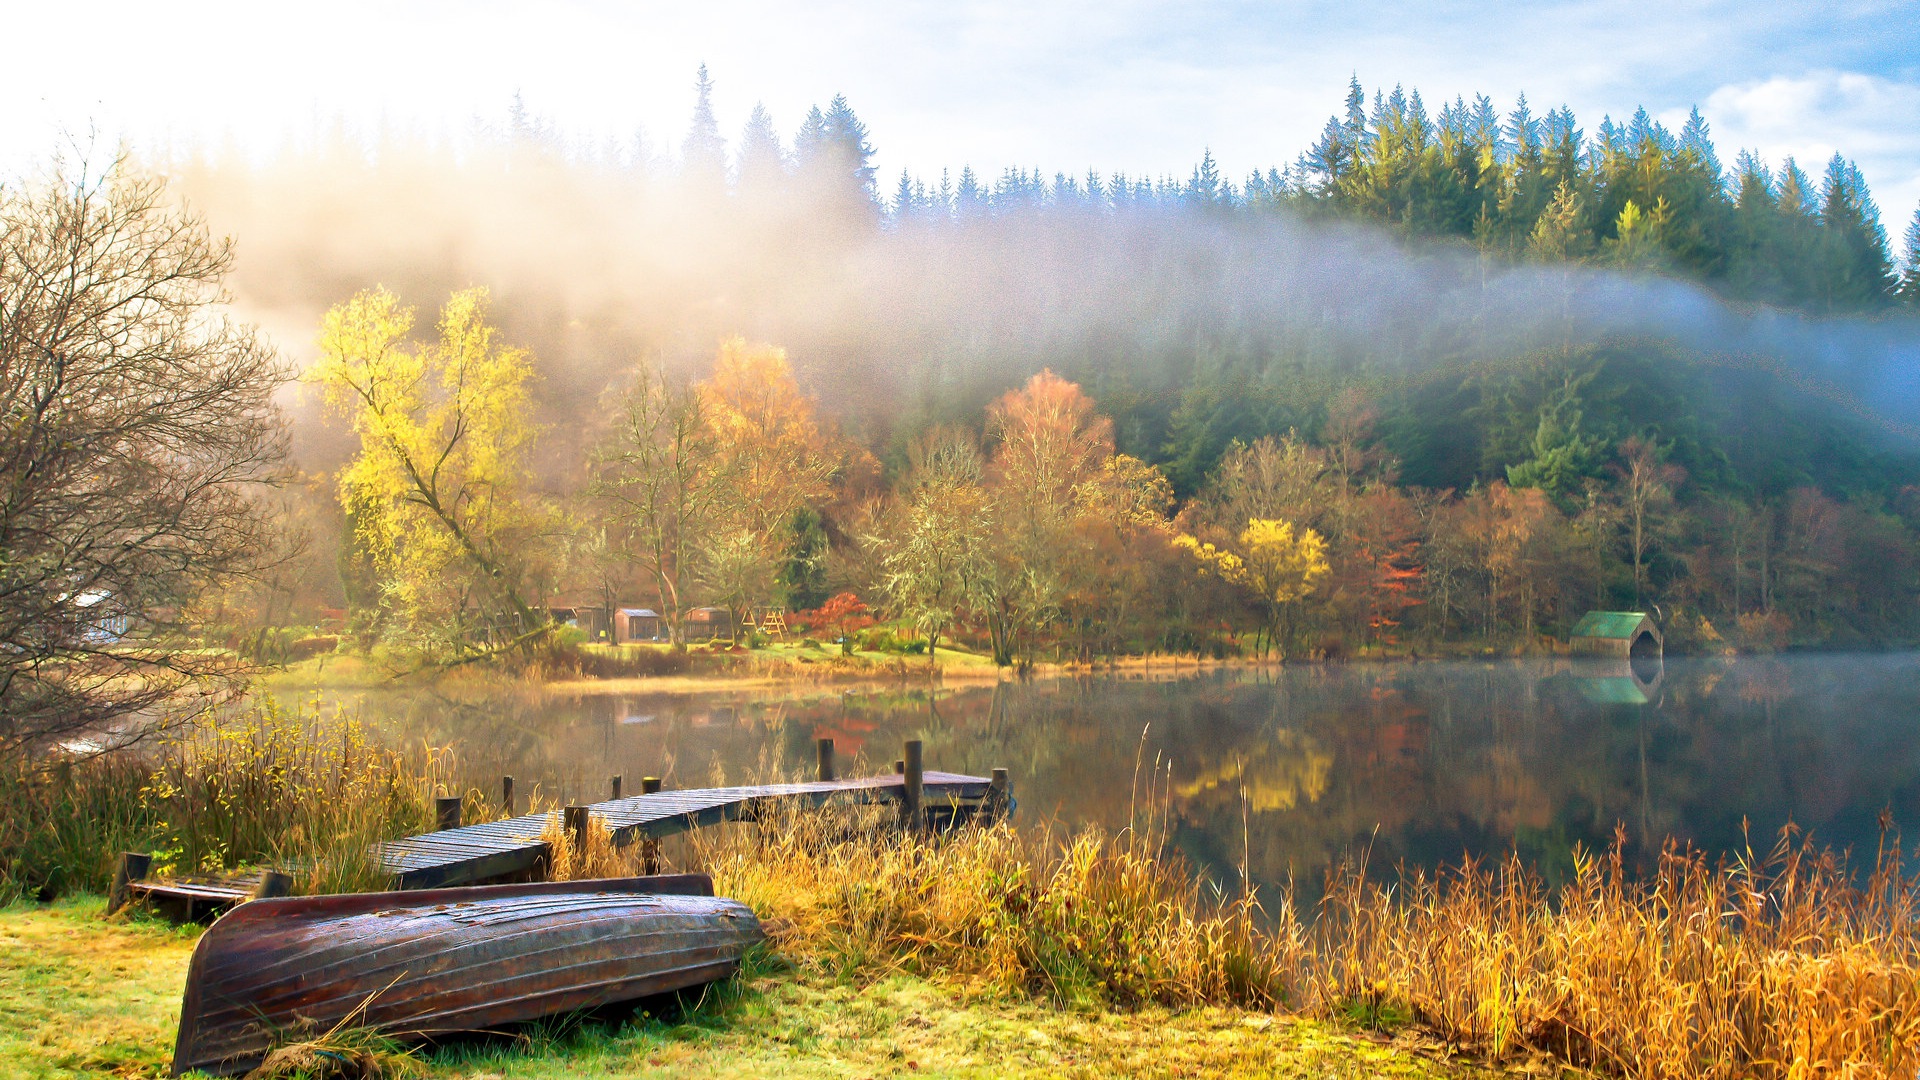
(1628, 635)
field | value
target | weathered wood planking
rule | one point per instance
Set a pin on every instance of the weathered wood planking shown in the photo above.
(417, 964)
(498, 849)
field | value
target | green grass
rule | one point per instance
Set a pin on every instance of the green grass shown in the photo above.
(82, 996)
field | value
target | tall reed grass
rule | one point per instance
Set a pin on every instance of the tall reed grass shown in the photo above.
(1782, 964)
(302, 789)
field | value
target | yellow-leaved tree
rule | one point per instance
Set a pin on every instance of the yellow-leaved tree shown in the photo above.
(436, 493)
(1279, 564)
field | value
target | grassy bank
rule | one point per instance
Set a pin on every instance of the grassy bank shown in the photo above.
(1785, 963)
(84, 997)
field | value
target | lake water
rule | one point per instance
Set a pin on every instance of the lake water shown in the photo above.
(1289, 768)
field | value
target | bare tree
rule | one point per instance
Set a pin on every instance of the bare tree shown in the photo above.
(136, 425)
(660, 478)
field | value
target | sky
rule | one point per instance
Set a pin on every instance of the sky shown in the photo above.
(1130, 85)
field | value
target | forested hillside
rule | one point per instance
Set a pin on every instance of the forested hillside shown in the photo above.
(1488, 371)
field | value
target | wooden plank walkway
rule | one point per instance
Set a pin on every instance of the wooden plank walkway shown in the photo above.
(497, 849)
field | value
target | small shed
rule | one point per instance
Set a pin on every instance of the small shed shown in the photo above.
(634, 625)
(1628, 635)
(708, 623)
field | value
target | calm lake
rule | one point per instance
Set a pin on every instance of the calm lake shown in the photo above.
(1290, 768)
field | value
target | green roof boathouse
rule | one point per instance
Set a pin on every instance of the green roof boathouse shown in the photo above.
(1625, 635)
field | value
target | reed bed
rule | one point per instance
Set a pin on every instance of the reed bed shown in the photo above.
(1780, 965)
(304, 790)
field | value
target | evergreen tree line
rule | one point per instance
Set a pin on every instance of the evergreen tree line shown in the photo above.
(1633, 195)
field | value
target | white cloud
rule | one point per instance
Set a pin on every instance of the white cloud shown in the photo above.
(1875, 121)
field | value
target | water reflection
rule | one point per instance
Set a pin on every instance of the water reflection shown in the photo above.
(1290, 768)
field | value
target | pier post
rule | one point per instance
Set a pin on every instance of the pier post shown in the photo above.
(899, 767)
(273, 883)
(133, 867)
(574, 819)
(649, 847)
(506, 795)
(999, 797)
(446, 812)
(910, 813)
(615, 785)
(823, 750)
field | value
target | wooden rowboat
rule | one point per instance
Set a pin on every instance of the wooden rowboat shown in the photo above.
(435, 961)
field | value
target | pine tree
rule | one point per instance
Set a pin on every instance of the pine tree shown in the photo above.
(1696, 143)
(846, 138)
(703, 156)
(969, 199)
(762, 164)
(904, 204)
(1357, 135)
(1908, 291)
(1204, 188)
(1857, 271)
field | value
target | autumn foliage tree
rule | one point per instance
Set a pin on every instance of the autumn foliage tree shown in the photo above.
(1275, 562)
(775, 458)
(437, 490)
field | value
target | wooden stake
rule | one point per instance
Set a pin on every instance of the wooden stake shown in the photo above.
(823, 750)
(273, 883)
(616, 787)
(574, 819)
(133, 867)
(911, 791)
(649, 785)
(446, 812)
(506, 795)
(999, 797)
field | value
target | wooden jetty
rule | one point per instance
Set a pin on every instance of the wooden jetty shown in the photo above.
(500, 849)
(512, 850)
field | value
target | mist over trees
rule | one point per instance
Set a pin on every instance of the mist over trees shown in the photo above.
(1489, 368)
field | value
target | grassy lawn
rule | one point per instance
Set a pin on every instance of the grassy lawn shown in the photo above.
(83, 997)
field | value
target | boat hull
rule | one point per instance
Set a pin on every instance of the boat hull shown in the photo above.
(422, 963)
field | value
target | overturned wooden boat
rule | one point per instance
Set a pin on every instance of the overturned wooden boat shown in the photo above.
(421, 963)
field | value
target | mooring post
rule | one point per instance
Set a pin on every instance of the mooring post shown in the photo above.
(506, 794)
(574, 819)
(823, 750)
(649, 847)
(446, 812)
(615, 785)
(899, 767)
(999, 797)
(910, 813)
(133, 867)
(273, 883)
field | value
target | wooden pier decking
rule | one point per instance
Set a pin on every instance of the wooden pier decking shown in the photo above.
(497, 849)
(512, 849)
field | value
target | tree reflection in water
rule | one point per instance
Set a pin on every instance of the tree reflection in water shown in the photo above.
(1415, 764)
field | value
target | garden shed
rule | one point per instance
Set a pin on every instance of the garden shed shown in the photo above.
(634, 625)
(1628, 635)
(708, 623)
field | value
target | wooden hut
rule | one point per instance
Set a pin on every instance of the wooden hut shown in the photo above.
(636, 625)
(1626, 635)
(708, 623)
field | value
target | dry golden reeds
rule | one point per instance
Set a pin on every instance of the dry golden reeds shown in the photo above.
(1781, 966)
